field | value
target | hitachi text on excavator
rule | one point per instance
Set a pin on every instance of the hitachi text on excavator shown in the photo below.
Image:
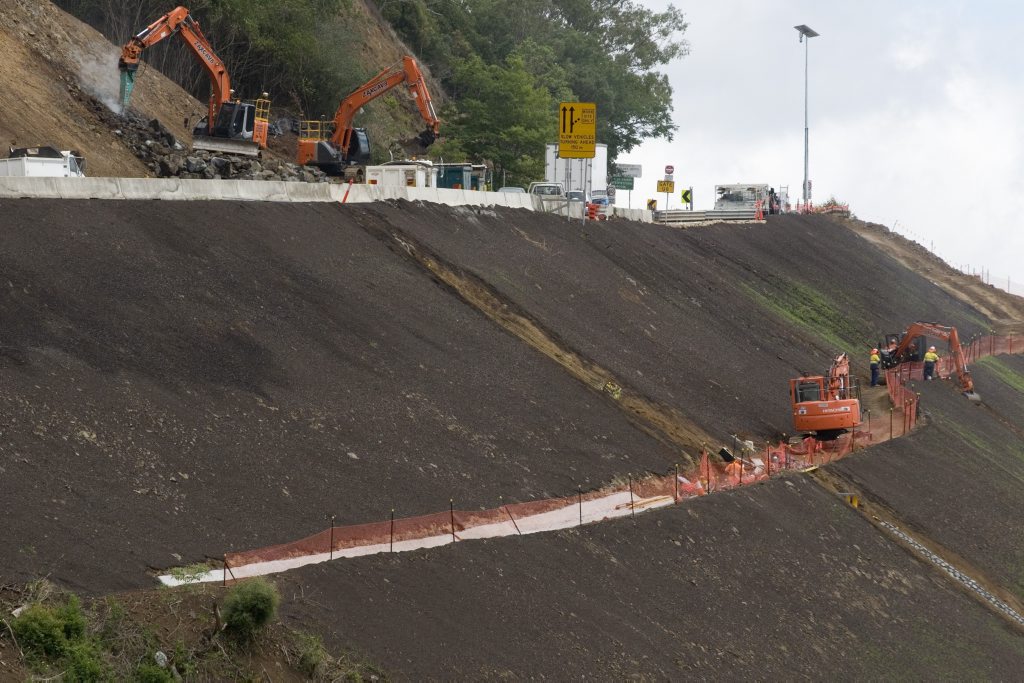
(339, 149)
(231, 126)
(825, 405)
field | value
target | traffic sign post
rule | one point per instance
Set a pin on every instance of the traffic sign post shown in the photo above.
(687, 197)
(630, 170)
(668, 187)
(621, 182)
(577, 130)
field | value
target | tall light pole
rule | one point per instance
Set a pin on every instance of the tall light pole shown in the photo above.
(806, 32)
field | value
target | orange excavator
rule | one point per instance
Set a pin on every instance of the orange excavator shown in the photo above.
(231, 125)
(910, 346)
(339, 149)
(825, 405)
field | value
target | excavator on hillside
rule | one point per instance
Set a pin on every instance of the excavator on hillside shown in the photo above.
(231, 126)
(339, 149)
(909, 347)
(825, 405)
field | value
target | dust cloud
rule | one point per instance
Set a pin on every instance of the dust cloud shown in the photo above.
(98, 76)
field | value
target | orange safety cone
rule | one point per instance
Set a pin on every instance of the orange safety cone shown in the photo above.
(758, 211)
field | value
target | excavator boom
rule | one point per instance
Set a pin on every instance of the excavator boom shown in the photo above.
(347, 145)
(944, 333)
(232, 135)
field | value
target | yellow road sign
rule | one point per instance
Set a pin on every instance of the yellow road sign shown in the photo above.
(577, 130)
(687, 196)
(667, 186)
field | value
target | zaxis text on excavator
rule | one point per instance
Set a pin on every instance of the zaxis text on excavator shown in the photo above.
(231, 126)
(345, 150)
(908, 347)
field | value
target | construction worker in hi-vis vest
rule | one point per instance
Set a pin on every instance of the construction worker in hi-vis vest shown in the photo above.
(930, 359)
(875, 361)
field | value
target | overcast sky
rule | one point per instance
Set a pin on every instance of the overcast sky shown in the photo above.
(915, 115)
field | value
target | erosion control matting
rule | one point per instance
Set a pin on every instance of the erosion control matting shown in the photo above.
(781, 580)
(713, 320)
(183, 379)
(960, 480)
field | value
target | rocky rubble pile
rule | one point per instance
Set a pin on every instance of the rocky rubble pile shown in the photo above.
(167, 157)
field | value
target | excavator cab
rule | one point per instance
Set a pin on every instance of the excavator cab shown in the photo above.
(240, 128)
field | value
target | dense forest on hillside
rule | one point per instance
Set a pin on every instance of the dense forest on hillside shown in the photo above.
(504, 65)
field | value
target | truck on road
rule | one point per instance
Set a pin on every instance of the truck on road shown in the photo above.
(584, 175)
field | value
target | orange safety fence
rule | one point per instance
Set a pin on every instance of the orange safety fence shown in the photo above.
(704, 477)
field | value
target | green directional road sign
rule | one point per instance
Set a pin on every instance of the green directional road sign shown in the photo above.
(687, 196)
(622, 182)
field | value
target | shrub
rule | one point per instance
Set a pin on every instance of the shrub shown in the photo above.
(311, 655)
(85, 664)
(45, 632)
(151, 673)
(249, 607)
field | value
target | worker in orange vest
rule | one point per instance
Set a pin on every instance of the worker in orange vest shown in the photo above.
(930, 359)
(875, 360)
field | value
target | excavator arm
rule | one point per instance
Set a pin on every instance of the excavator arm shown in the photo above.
(177, 21)
(944, 333)
(409, 73)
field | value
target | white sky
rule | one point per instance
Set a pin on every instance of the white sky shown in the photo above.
(915, 115)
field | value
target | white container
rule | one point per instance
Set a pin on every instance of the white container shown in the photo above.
(402, 174)
(584, 175)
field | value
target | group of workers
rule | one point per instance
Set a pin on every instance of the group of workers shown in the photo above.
(875, 360)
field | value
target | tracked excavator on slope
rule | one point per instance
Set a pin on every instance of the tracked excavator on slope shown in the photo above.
(909, 347)
(825, 406)
(231, 126)
(339, 149)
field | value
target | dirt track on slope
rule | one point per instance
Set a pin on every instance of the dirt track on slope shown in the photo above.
(712, 321)
(1005, 310)
(183, 379)
(778, 581)
(960, 481)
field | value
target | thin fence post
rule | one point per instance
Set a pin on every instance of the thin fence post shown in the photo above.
(579, 496)
(509, 513)
(451, 510)
(869, 421)
(768, 457)
(392, 548)
(632, 509)
(890, 424)
(675, 484)
(331, 552)
(853, 439)
(225, 580)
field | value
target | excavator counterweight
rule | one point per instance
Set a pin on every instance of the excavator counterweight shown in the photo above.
(825, 405)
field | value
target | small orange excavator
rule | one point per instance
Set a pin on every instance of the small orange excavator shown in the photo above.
(910, 346)
(231, 126)
(825, 405)
(337, 148)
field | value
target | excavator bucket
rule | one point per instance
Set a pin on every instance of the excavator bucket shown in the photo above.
(127, 85)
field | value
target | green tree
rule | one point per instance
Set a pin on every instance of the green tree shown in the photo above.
(501, 114)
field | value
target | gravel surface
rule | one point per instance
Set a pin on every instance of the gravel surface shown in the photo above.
(183, 379)
(780, 582)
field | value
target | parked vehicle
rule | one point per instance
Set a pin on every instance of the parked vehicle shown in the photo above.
(545, 189)
(511, 189)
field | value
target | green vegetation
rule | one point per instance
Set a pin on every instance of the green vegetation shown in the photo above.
(249, 607)
(163, 636)
(807, 309)
(505, 65)
(539, 52)
(1004, 372)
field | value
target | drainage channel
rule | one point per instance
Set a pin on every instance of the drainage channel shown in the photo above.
(954, 573)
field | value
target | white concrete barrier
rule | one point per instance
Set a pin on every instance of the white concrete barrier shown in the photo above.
(184, 189)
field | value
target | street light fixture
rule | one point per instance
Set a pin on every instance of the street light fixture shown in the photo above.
(806, 32)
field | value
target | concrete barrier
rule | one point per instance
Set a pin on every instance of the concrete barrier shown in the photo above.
(184, 189)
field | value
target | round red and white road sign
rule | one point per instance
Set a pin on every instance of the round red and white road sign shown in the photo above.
(669, 170)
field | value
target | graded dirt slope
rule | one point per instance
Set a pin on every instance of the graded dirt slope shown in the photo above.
(713, 321)
(58, 72)
(779, 581)
(183, 379)
(960, 480)
(1005, 310)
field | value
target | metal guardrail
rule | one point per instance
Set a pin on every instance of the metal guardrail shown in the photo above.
(680, 217)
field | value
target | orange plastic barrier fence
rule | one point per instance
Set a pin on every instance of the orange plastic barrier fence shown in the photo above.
(705, 477)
